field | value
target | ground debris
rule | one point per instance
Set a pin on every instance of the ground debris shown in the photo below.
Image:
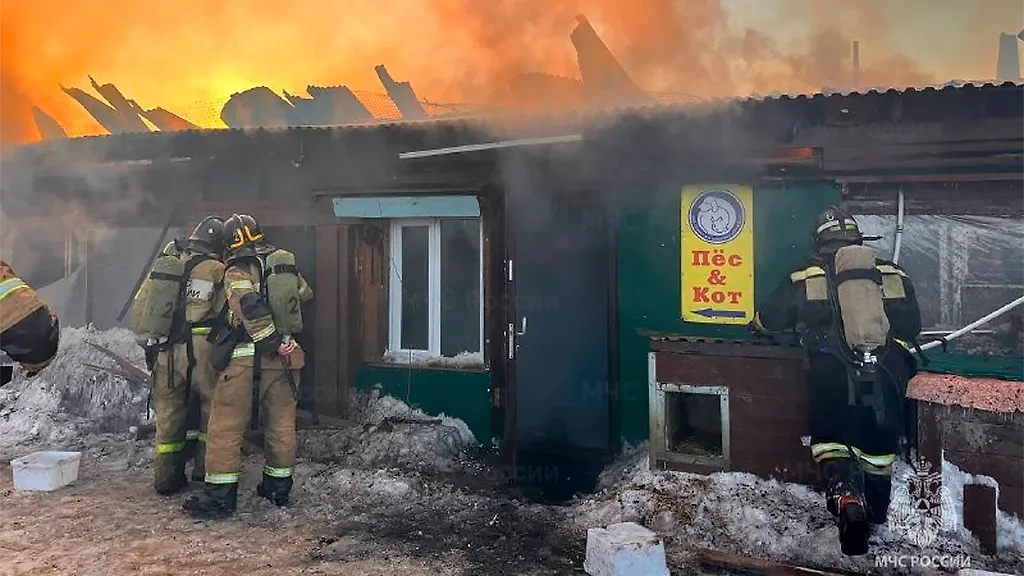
(68, 400)
(745, 515)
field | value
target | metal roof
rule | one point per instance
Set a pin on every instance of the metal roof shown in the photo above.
(481, 119)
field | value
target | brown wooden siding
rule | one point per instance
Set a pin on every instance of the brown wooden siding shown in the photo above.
(371, 243)
(769, 404)
(334, 369)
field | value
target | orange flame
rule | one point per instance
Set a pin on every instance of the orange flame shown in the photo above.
(189, 56)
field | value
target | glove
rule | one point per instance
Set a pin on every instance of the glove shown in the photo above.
(286, 347)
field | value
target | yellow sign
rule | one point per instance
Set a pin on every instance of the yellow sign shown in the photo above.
(717, 248)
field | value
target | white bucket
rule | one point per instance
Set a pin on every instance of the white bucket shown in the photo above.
(45, 471)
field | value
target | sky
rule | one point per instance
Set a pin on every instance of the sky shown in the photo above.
(189, 56)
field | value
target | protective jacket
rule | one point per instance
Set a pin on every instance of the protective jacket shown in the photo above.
(802, 300)
(184, 376)
(853, 445)
(29, 331)
(254, 364)
(250, 310)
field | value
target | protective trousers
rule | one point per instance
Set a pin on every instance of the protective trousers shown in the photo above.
(204, 378)
(170, 402)
(174, 396)
(230, 414)
(837, 428)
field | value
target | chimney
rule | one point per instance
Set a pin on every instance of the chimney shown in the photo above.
(1008, 61)
(856, 64)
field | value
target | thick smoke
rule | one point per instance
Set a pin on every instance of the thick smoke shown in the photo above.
(173, 54)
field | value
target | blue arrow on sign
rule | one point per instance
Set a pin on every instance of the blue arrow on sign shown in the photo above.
(712, 313)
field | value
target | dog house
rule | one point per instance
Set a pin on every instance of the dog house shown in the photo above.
(722, 405)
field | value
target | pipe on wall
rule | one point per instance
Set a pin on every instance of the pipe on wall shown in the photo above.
(899, 228)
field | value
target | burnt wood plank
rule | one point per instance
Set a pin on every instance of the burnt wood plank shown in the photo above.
(720, 559)
(980, 515)
(929, 436)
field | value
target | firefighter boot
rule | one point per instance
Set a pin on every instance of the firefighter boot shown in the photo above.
(877, 490)
(276, 490)
(854, 528)
(844, 501)
(169, 473)
(217, 501)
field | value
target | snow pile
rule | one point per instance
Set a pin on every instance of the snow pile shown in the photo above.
(464, 360)
(389, 432)
(68, 399)
(744, 514)
(1009, 529)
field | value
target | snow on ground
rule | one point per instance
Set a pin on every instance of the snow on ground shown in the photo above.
(397, 479)
(69, 400)
(389, 432)
(747, 515)
(1009, 529)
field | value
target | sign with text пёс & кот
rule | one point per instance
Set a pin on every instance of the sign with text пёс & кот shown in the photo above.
(717, 250)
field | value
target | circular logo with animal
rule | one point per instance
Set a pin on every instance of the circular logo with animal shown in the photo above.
(717, 216)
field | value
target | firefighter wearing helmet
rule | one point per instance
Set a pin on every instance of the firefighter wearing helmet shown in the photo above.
(858, 319)
(29, 331)
(180, 304)
(256, 353)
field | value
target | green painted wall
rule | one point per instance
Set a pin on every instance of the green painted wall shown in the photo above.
(649, 290)
(457, 393)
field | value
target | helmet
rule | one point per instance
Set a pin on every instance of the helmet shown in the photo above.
(834, 229)
(243, 237)
(208, 236)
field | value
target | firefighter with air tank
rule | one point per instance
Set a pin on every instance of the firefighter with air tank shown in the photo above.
(255, 351)
(29, 331)
(858, 319)
(177, 309)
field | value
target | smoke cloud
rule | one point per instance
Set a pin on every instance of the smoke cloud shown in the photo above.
(189, 55)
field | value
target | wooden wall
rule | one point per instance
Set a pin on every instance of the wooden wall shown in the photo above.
(977, 442)
(769, 402)
(334, 370)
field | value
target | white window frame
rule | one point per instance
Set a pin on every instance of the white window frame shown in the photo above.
(433, 286)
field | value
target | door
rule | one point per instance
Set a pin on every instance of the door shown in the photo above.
(558, 321)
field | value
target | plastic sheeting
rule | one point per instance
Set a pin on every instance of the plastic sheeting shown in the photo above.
(116, 259)
(963, 267)
(67, 297)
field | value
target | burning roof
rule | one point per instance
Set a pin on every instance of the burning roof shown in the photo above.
(604, 82)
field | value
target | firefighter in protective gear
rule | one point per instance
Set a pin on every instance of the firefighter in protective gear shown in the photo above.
(183, 374)
(258, 356)
(855, 430)
(137, 320)
(29, 331)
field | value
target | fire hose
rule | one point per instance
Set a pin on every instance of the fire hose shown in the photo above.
(979, 322)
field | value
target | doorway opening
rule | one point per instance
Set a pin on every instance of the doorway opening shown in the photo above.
(554, 478)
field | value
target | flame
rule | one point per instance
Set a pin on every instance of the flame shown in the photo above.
(189, 56)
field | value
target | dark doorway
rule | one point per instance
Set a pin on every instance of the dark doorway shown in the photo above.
(560, 268)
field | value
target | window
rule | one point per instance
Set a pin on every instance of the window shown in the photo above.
(436, 285)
